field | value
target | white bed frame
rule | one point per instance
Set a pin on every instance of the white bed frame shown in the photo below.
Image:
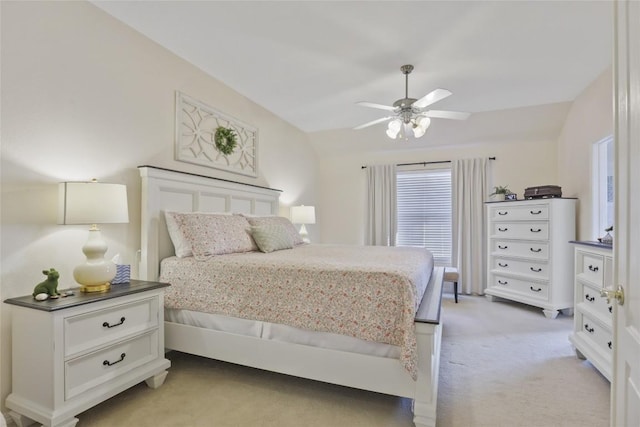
(164, 189)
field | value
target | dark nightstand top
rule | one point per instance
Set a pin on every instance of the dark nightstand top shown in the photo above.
(80, 298)
(591, 243)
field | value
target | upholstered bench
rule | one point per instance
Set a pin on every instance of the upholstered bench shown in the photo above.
(451, 275)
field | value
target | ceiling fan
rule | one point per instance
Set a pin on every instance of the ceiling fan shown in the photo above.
(410, 113)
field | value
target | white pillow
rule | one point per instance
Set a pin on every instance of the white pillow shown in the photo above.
(175, 220)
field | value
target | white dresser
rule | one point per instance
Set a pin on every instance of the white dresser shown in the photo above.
(72, 353)
(530, 259)
(592, 336)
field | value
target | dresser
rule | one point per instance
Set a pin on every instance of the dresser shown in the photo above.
(592, 335)
(530, 259)
(72, 353)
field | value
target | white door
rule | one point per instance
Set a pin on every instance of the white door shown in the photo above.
(625, 399)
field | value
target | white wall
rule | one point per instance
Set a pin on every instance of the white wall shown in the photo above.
(84, 96)
(590, 119)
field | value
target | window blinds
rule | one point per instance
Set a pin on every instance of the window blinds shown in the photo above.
(424, 211)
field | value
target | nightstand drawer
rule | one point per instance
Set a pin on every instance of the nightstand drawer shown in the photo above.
(593, 301)
(97, 368)
(101, 327)
(595, 332)
(590, 267)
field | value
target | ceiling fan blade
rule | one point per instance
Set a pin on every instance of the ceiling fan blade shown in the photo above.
(374, 122)
(378, 106)
(456, 115)
(431, 98)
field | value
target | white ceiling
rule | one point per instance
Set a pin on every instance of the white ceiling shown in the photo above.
(309, 62)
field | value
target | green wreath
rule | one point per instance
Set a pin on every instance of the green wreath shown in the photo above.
(225, 139)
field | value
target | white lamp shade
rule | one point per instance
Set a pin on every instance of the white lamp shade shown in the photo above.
(303, 214)
(92, 203)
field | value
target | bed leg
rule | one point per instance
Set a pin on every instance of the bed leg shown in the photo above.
(426, 397)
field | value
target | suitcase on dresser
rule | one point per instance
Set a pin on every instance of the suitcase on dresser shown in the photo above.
(543, 192)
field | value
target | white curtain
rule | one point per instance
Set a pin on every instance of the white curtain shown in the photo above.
(381, 205)
(470, 189)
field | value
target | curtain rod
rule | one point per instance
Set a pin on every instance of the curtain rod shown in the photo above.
(426, 163)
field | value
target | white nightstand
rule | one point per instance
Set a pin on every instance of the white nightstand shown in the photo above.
(72, 353)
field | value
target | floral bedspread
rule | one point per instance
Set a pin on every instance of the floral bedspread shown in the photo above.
(367, 292)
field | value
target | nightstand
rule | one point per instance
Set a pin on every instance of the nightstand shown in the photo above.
(71, 353)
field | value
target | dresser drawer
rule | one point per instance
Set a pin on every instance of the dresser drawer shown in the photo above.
(594, 331)
(519, 213)
(521, 230)
(539, 270)
(526, 249)
(97, 368)
(590, 267)
(592, 300)
(101, 327)
(525, 287)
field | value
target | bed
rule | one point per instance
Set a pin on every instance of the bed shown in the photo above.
(405, 363)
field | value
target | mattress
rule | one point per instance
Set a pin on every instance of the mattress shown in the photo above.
(369, 293)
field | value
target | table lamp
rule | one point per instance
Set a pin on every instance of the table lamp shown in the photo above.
(93, 203)
(303, 215)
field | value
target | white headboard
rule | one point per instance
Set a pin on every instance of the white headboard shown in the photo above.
(164, 189)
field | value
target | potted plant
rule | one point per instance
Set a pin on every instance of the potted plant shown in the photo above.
(499, 192)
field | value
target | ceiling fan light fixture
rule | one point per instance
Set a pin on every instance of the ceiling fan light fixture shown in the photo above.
(393, 129)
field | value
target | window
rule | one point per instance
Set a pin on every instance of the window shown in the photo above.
(424, 211)
(602, 186)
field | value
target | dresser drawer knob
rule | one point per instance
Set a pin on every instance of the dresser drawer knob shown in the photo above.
(107, 363)
(502, 229)
(537, 230)
(502, 213)
(107, 325)
(592, 268)
(535, 270)
(589, 298)
(503, 265)
(588, 329)
(535, 250)
(611, 309)
(502, 282)
(535, 213)
(502, 247)
(610, 344)
(535, 290)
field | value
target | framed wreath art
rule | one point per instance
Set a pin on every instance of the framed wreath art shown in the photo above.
(225, 139)
(208, 137)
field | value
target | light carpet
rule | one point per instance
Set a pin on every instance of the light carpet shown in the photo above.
(502, 364)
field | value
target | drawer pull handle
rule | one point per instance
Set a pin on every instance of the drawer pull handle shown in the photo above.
(610, 309)
(107, 325)
(610, 344)
(502, 229)
(590, 298)
(535, 290)
(537, 230)
(503, 283)
(535, 250)
(107, 363)
(592, 268)
(535, 270)
(502, 213)
(588, 329)
(502, 247)
(503, 265)
(535, 213)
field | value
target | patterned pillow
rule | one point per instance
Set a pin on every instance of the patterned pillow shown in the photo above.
(212, 234)
(175, 221)
(277, 220)
(271, 238)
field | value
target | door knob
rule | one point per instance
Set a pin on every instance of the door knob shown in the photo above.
(618, 294)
